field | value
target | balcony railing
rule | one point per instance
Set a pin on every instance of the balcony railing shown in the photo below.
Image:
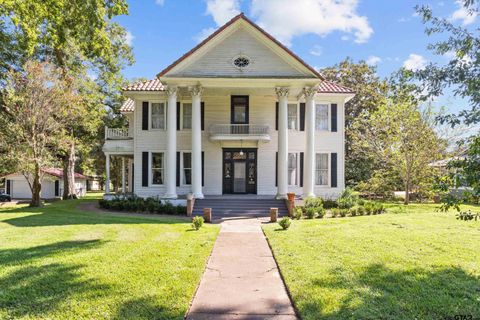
(239, 132)
(117, 134)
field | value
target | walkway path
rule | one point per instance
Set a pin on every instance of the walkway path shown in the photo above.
(241, 280)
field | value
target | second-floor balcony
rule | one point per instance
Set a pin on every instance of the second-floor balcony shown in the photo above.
(117, 134)
(219, 132)
(118, 140)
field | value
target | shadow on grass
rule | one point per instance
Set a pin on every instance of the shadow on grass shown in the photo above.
(66, 213)
(34, 290)
(382, 293)
(147, 308)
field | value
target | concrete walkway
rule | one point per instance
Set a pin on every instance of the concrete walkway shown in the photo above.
(241, 280)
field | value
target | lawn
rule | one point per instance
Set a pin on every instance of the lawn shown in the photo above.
(405, 264)
(58, 262)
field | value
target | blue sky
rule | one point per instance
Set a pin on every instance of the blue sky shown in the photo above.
(322, 32)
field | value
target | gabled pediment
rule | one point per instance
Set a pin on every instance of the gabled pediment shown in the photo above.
(215, 56)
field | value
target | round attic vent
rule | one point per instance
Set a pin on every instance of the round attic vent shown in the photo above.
(241, 62)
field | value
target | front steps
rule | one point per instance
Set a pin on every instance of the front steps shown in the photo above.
(247, 207)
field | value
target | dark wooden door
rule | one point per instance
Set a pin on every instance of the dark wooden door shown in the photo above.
(239, 171)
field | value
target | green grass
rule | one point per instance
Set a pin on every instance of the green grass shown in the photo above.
(405, 264)
(58, 262)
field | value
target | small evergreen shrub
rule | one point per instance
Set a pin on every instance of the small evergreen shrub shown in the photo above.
(311, 212)
(321, 212)
(347, 199)
(298, 213)
(313, 202)
(378, 208)
(361, 210)
(353, 211)
(329, 203)
(343, 212)
(335, 212)
(285, 223)
(197, 222)
(137, 204)
(369, 207)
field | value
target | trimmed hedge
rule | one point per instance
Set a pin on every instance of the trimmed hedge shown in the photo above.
(137, 204)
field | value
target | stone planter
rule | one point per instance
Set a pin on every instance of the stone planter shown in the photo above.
(291, 196)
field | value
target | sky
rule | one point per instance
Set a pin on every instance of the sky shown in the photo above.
(384, 33)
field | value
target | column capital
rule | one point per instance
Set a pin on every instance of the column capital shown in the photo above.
(196, 90)
(282, 91)
(309, 92)
(171, 91)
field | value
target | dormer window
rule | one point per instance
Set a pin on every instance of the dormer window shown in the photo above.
(241, 62)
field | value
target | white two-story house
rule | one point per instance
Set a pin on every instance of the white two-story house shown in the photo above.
(239, 113)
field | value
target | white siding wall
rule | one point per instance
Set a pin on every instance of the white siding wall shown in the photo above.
(20, 188)
(218, 60)
(217, 110)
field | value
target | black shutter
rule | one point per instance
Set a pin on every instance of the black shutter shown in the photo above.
(302, 116)
(178, 115)
(203, 168)
(178, 169)
(276, 169)
(145, 115)
(132, 188)
(9, 187)
(333, 160)
(276, 116)
(144, 169)
(57, 188)
(202, 115)
(334, 117)
(301, 169)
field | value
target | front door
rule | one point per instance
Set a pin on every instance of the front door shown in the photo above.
(240, 171)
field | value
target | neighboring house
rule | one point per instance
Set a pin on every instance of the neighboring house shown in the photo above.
(239, 113)
(94, 183)
(17, 185)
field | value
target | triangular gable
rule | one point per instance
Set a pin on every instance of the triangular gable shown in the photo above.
(240, 36)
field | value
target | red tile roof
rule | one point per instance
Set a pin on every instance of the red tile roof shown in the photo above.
(148, 85)
(128, 106)
(331, 87)
(56, 172)
(226, 25)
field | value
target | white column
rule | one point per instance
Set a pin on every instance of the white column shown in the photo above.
(171, 159)
(282, 165)
(309, 165)
(196, 142)
(123, 175)
(107, 173)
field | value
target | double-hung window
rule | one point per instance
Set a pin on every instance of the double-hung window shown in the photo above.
(157, 112)
(321, 169)
(321, 117)
(187, 168)
(292, 169)
(187, 116)
(157, 165)
(292, 117)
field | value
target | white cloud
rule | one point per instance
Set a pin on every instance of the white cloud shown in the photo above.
(129, 38)
(223, 10)
(403, 19)
(345, 38)
(160, 2)
(316, 51)
(463, 14)
(415, 62)
(285, 20)
(373, 60)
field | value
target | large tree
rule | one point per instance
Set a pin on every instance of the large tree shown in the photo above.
(370, 92)
(31, 123)
(79, 37)
(461, 74)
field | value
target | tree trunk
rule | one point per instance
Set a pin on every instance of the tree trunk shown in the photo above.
(36, 188)
(407, 190)
(69, 174)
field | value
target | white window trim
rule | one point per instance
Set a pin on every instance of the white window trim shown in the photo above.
(329, 175)
(297, 173)
(182, 171)
(298, 114)
(164, 115)
(181, 115)
(150, 176)
(329, 121)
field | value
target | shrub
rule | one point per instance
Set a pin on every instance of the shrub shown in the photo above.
(285, 223)
(181, 210)
(343, 212)
(137, 204)
(378, 208)
(311, 212)
(335, 212)
(321, 212)
(313, 203)
(361, 210)
(347, 199)
(353, 211)
(298, 213)
(329, 203)
(197, 222)
(369, 207)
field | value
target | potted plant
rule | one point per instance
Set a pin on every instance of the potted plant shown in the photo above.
(291, 196)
